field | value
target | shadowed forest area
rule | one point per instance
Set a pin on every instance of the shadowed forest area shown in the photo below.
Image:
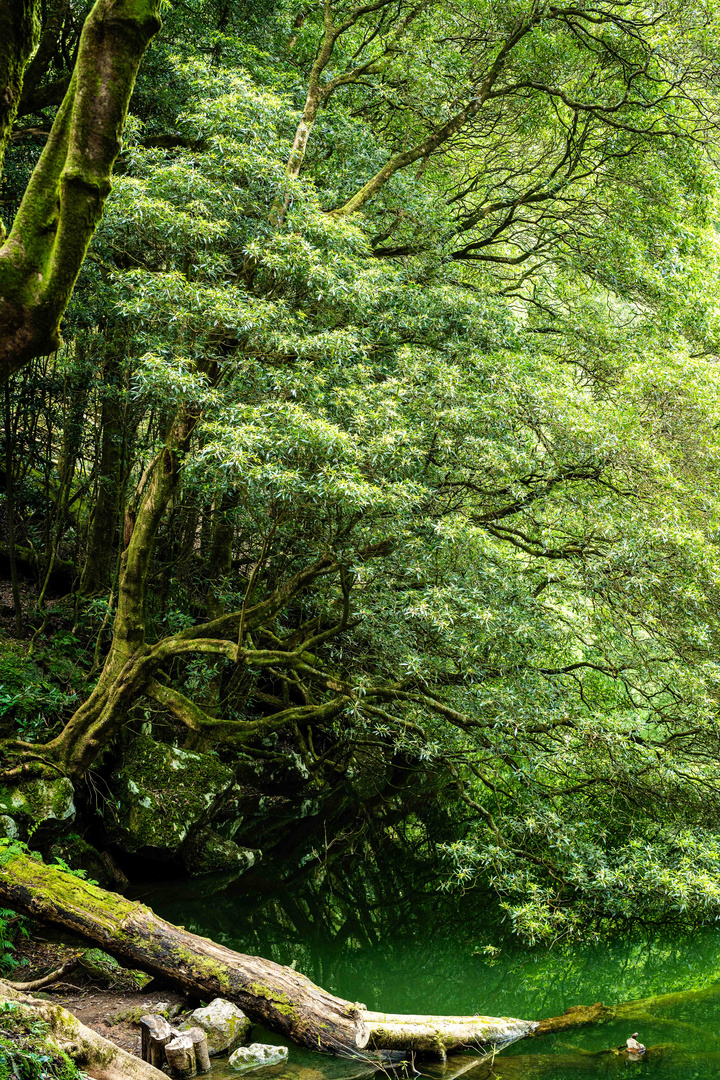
(360, 459)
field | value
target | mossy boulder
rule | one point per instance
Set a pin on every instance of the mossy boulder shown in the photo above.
(226, 1026)
(45, 807)
(161, 793)
(206, 852)
(9, 828)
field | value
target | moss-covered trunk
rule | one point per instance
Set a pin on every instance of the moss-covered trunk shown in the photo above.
(102, 1058)
(19, 33)
(64, 200)
(128, 666)
(220, 553)
(101, 554)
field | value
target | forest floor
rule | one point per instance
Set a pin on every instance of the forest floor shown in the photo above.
(112, 1012)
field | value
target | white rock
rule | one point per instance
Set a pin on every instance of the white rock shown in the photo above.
(225, 1025)
(256, 1056)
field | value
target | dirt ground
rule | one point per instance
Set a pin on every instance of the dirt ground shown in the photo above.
(110, 1011)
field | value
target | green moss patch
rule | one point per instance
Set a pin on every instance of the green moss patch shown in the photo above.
(45, 804)
(27, 1054)
(160, 793)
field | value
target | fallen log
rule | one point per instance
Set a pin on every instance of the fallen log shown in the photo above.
(436, 1035)
(639, 1011)
(277, 997)
(98, 1057)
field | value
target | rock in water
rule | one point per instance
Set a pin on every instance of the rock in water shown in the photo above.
(225, 1025)
(256, 1056)
(206, 852)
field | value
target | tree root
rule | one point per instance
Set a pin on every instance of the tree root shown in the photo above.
(45, 980)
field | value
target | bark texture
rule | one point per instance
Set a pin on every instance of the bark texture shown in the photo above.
(19, 32)
(101, 551)
(64, 200)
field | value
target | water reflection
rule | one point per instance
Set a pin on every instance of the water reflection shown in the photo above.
(427, 957)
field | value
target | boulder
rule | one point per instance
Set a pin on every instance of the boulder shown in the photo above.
(45, 807)
(206, 852)
(256, 1056)
(160, 794)
(8, 828)
(225, 1025)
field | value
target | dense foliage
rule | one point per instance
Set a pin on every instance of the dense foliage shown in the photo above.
(385, 439)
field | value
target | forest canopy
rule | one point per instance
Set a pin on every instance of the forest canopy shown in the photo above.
(364, 438)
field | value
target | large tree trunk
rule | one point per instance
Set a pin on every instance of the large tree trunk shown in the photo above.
(272, 995)
(19, 32)
(64, 200)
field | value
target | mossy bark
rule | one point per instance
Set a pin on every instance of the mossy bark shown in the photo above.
(19, 33)
(64, 200)
(101, 555)
(221, 548)
(102, 1058)
(130, 663)
(53, 19)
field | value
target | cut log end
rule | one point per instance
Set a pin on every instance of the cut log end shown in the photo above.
(156, 1034)
(186, 1053)
(200, 1045)
(180, 1056)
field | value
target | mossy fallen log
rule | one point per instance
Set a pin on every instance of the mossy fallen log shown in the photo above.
(98, 1057)
(277, 997)
(639, 1011)
(436, 1035)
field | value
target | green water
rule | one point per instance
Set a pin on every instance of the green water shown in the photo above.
(432, 962)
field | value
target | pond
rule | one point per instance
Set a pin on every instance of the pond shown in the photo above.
(434, 960)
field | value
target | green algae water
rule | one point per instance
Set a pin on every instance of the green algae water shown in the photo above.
(438, 962)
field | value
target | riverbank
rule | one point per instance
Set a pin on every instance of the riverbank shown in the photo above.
(110, 1010)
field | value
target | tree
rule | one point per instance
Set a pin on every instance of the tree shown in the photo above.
(390, 434)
